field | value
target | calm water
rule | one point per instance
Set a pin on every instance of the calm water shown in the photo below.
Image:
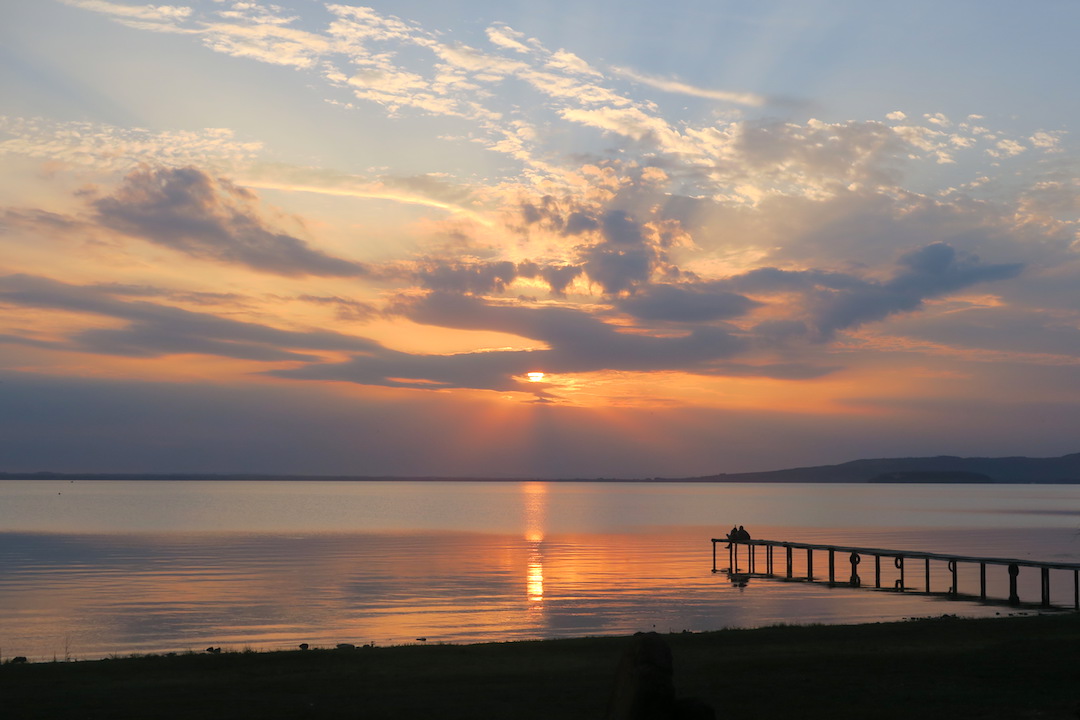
(89, 569)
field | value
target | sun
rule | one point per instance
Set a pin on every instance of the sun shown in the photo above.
(535, 376)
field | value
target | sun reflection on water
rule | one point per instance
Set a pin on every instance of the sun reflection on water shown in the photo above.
(534, 583)
(535, 506)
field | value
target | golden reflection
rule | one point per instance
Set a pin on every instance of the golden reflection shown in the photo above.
(535, 511)
(534, 580)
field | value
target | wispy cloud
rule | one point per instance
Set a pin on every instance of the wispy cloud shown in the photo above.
(150, 329)
(672, 85)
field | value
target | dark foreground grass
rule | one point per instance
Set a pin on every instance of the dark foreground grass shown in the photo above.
(1010, 667)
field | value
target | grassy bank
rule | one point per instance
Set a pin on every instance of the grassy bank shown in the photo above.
(1011, 667)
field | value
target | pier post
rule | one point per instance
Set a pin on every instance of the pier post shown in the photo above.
(927, 576)
(714, 556)
(832, 566)
(952, 569)
(809, 564)
(877, 571)
(768, 560)
(753, 565)
(899, 563)
(982, 581)
(1076, 590)
(855, 581)
(1045, 587)
(789, 562)
(1014, 570)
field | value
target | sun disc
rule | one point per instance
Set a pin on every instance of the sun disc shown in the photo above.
(535, 376)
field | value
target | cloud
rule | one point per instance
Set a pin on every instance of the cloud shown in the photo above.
(111, 148)
(624, 258)
(345, 308)
(42, 222)
(478, 278)
(677, 86)
(160, 18)
(838, 301)
(265, 38)
(575, 342)
(152, 330)
(402, 66)
(686, 303)
(210, 218)
(507, 37)
(1009, 334)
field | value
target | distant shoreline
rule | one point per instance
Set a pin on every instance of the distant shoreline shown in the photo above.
(179, 477)
(942, 469)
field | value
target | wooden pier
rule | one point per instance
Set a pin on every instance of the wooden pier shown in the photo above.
(904, 561)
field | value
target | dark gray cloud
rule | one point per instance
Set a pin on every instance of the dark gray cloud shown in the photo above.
(817, 304)
(564, 216)
(838, 301)
(481, 277)
(577, 342)
(929, 272)
(200, 298)
(39, 221)
(614, 251)
(557, 277)
(1004, 329)
(344, 308)
(476, 277)
(210, 218)
(154, 330)
(624, 258)
(686, 303)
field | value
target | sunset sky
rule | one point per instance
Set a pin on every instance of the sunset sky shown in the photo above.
(555, 239)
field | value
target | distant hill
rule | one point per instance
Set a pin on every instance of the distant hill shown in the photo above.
(944, 469)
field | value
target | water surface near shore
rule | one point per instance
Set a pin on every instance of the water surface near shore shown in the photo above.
(92, 568)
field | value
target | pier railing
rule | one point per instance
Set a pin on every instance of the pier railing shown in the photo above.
(904, 561)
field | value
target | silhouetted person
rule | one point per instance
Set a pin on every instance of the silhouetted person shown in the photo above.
(741, 535)
(645, 688)
(732, 536)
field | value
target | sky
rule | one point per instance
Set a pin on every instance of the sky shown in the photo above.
(536, 239)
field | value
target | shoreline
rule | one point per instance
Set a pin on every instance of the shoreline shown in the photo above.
(1002, 667)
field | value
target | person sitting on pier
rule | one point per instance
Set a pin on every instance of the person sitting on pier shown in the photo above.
(732, 536)
(741, 535)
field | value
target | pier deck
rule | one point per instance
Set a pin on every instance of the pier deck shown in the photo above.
(901, 560)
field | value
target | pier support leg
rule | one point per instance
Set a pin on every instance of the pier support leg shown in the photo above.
(714, 556)
(952, 568)
(832, 567)
(982, 581)
(1076, 590)
(809, 564)
(927, 576)
(877, 571)
(768, 561)
(899, 563)
(753, 564)
(789, 566)
(1014, 570)
(1045, 586)
(855, 580)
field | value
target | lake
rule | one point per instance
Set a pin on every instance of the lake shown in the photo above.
(90, 569)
